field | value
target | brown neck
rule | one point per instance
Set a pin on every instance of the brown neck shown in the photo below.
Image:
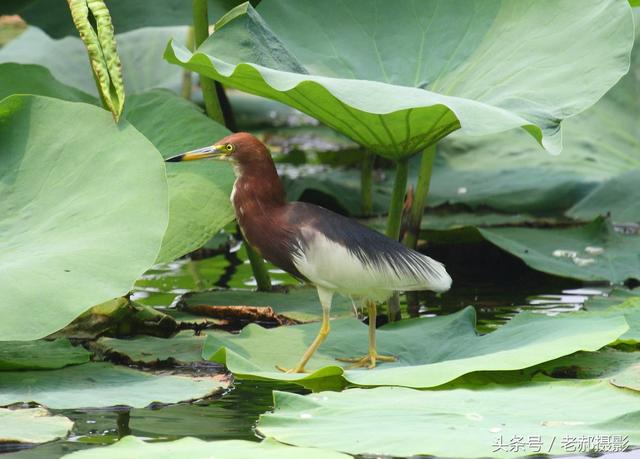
(258, 185)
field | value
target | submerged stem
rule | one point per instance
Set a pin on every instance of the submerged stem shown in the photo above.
(366, 184)
(201, 32)
(393, 224)
(420, 197)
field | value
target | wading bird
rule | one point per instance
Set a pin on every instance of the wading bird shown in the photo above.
(334, 253)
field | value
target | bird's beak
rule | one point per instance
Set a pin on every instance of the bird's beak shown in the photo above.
(213, 151)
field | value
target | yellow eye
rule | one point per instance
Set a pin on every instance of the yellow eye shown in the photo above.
(229, 147)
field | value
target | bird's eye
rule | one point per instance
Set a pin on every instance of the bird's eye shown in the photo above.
(229, 147)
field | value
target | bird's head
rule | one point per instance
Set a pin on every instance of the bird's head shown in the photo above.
(241, 148)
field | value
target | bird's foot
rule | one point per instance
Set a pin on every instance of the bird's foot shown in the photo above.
(297, 369)
(368, 361)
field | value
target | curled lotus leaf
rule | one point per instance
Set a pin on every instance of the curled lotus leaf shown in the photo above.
(397, 77)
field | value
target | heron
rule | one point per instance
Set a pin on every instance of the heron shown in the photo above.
(334, 253)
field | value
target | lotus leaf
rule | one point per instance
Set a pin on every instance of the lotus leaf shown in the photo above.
(629, 378)
(198, 192)
(66, 59)
(508, 172)
(398, 421)
(34, 79)
(61, 252)
(351, 66)
(430, 351)
(618, 197)
(40, 355)
(630, 309)
(194, 448)
(185, 347)
(597, 251)
(32, 425)
(97, 385)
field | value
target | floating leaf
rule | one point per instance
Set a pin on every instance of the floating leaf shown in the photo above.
(195, 448)
(629, 378)
(602, 364)
(430, 352)
(629, 308)
(40, 355)
(592, 252)
(66, 59)
(82, 215)
(199, 192)
(93, 21)
(299, 304)
(32, 425)
(618, 197)
(397, 421)
(95, 385)
(342, 64)
(185, 347)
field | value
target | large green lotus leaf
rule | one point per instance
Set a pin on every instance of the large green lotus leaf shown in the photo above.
(101, 384)
(482, 67)
(82, 216)
(32, 425)
(185, 347)
(34, 79)
(430, 352)
(195, 448)
(199, 192)
(299, 304)
(397, 421)
(508, 172)
(140, 52)
(596, 251)
(55, 19)
(619, 197)
(40, 354)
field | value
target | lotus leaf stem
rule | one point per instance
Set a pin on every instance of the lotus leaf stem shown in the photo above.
(201, 33)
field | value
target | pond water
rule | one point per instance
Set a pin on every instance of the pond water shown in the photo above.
(234, 414)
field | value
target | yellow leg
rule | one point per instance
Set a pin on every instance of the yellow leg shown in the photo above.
(372, 357)
(325, 299)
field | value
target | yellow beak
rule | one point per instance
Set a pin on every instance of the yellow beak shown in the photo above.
(213, 151)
